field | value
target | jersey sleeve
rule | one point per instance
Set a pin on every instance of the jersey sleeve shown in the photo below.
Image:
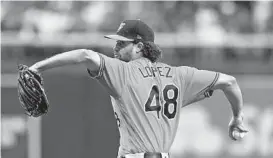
(112, 74)
(196, 82)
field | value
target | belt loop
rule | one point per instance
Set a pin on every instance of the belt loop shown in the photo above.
(152, 155)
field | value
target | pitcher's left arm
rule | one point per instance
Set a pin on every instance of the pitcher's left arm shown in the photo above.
(89, 58)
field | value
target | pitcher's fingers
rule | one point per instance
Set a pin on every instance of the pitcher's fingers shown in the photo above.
(231, 135)
(242, 129)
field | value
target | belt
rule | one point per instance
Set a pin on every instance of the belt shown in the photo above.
(147, 155)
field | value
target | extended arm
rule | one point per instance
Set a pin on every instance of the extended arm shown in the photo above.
(232, 91)
(80, 56)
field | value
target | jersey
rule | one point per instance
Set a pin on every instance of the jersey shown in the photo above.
(147, 99)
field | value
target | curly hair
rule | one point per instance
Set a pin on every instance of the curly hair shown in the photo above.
(151, 51)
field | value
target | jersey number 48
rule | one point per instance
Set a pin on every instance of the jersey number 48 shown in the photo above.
(168, 101)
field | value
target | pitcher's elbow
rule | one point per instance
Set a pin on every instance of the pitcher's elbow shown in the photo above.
(231, 80)
(86, 55)
(224, 81)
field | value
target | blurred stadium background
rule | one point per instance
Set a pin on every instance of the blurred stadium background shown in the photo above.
(230, 37)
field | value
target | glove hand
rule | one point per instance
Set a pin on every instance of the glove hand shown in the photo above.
(31, 93)
(236, 125)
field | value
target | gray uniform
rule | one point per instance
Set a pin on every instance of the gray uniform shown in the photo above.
(147, 99)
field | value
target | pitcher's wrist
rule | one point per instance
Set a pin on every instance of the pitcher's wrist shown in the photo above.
(34, 68)
(238, 115)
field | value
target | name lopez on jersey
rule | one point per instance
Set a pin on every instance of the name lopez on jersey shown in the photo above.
(151, 71)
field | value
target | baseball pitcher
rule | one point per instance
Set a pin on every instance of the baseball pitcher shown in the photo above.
(147, 96)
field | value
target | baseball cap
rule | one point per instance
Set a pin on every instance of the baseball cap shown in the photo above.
(131, 30)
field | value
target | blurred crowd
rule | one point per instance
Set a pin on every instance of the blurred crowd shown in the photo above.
(163, 16)
(210, 21)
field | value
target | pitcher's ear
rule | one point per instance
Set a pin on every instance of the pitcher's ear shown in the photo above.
(140, 45)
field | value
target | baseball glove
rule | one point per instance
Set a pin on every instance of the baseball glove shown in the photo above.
(31, 92)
